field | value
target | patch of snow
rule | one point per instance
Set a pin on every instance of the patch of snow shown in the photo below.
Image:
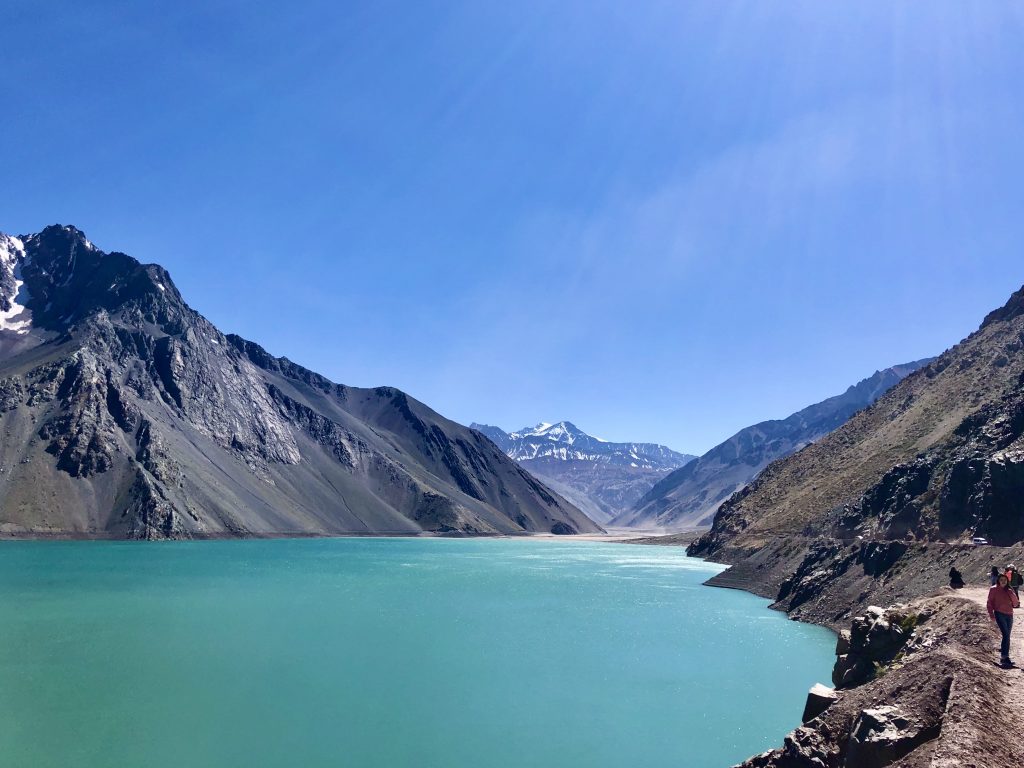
(161, 286)
(215, 341)
(11, 249)
(18, 318)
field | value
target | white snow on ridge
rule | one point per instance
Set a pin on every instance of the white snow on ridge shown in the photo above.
(11, 249)
(565, 441)
(18, 318)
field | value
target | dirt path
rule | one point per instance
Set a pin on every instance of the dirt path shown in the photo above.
(979, 595)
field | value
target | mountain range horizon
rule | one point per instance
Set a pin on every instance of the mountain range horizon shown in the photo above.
(524, 429)
(602, 478)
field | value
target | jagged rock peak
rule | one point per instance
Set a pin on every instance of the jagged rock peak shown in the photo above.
(1011, 309)
(52, 280)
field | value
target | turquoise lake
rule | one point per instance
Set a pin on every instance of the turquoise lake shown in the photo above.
(389, 652)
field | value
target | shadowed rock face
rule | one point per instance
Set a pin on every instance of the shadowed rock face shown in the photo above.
(690, 496)
(126, 413)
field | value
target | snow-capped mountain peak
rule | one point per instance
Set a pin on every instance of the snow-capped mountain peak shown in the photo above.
(564, 441)
(601, 477)
(561, 432)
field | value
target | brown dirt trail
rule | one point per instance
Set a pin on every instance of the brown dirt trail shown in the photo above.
(979, 595)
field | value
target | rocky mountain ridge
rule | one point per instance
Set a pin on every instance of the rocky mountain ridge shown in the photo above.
(567, 442)
(937, 458)
(600, 477)
(125, 413)
(690, 496)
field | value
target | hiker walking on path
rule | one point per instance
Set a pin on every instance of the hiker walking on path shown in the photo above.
(1001, 602)
(1016, 580)
(993, 577)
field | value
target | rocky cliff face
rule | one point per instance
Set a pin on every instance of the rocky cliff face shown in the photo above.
(935, 461)
(126, 413)
(600, 477)
(690, 496)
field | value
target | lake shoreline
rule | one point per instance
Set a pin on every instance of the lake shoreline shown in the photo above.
(616, 537)
(949, 656)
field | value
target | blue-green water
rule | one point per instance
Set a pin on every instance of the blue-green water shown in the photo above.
(388, 652)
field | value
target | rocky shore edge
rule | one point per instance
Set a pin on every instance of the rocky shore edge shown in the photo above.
(916, 685)
(915, 681)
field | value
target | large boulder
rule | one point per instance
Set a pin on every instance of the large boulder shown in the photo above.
(819, 698)
(874, 639)
(851, 669)
(883, 735)
(843, 642)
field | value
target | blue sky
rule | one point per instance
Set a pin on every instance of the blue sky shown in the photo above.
(660, 220)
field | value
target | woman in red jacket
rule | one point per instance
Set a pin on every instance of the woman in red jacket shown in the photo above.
(1001, 602)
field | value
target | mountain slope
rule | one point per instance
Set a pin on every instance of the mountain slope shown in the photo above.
(689, 497)
(939, 458)
(600, 477)
(125, 413)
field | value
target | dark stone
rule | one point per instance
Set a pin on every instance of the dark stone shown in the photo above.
(883, 735)
(819, 698)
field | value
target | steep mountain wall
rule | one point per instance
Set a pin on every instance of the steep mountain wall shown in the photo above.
(127, 414)
(934, 462)
(690, 496)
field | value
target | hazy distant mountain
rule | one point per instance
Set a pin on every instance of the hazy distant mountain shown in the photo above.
(600, 477)
(690, 496)
(126, 413)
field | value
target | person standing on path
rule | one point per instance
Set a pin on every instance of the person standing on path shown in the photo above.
(1016, 580)
(1001, 602)
(993, 577)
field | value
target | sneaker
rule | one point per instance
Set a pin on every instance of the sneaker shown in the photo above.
(1007, 664)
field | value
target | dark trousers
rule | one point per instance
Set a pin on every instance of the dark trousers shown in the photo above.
(1005, 624)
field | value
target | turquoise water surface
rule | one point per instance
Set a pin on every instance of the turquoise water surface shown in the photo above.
(389, 652)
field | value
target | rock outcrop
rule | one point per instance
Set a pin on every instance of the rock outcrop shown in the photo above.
(125, 413)
(874, 640)
(938, 701)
